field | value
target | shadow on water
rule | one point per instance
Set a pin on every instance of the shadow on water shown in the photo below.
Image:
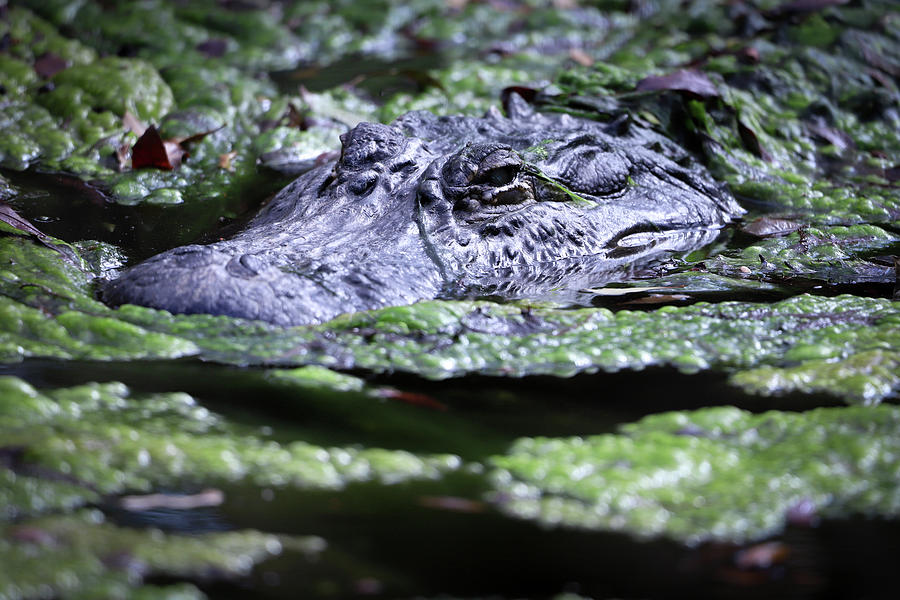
(473, 417)
(416, 540)
(70, 209)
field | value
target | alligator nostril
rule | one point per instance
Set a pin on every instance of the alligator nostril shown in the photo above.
(244, 266)
(192, 257)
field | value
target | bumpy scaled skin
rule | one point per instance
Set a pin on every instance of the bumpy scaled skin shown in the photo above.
(442, 207)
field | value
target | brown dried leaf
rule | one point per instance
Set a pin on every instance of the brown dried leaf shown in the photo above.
(762, 556)
(213, 47)
(627, 291)
(49, 64)
(765, 227)
(175, 153)
(122, 153)
(690, 81)
(133, 124)
(748, 55)
(453, 504)
(656, 299)
(751, 141)
(16, 221)
(581, 57)
(207, 497)
(835, 137)
(225, 160)
(194, 137)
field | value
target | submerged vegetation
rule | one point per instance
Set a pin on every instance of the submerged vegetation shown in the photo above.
(794, 106)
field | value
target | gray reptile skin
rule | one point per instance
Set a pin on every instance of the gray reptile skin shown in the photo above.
(447, 207)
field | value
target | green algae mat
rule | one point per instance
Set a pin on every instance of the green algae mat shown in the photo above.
(726, 425)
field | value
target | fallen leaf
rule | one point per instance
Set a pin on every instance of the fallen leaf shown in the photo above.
(16, 221)
(150, 151)
(48, 64)
(626, 291)
(751, 141)
(655, 299)
(835, 137)
(194, 137)
(133, 124)
(581, 57)
(296, 117)
(213, 47)
(225, 160)
(207, 497)
(770, 227)
(762, 556)
(527, 94)
(452, 503)
(411, 398)
(123, 151)
(748, 55)
(686, 80)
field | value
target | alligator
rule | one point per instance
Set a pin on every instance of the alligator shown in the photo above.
(527, 205)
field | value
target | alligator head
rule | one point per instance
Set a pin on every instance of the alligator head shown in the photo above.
(429, 206)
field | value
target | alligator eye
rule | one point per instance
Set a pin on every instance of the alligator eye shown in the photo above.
(500, 176)
(363, 184)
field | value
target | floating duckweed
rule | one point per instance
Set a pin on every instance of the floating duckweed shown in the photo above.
(712, 474)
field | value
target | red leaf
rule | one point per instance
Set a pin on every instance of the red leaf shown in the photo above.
(687, 80)
(150, 151)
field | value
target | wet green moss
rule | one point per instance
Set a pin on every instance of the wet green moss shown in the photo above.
(69, 446)
(74, 124)
(865, 377)
(93, 98)
(83, 556)
(712, 474)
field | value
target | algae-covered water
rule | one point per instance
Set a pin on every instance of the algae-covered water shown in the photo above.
(723, 426)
